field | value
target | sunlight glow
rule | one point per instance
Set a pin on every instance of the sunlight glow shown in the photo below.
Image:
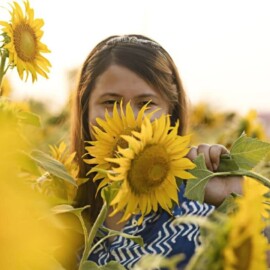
(220, 47)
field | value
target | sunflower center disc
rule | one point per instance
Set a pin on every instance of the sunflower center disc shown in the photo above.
(121, 142)
(149, 169)
(25, 42)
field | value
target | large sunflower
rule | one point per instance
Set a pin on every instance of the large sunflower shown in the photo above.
(108, 137)
(246, 245)
(22, 41)
(148, 167)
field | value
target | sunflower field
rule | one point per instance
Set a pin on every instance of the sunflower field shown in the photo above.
(41, 229)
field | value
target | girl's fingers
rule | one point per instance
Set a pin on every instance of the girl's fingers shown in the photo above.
(204, 149)
(192, 154)
(215, 151)
(211, 154)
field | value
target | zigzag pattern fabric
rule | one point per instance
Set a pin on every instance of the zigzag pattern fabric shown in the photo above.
(160, 236)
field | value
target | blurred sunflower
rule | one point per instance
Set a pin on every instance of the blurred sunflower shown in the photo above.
(235, 241)
(108, 138)
(246, 245)
(62, 154)
(148, 168)
(261, 190)
(252, 126)
(22, 37)
(5, 88)
(29, 234)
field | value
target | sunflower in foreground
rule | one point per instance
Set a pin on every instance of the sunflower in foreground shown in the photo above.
(31, 237)
(235, 241)
(108, 138)
(148, 167)
(246, 245)
(22, 41)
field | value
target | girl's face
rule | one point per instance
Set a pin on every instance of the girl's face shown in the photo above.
(119, 83)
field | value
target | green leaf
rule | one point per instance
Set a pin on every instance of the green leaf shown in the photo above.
(112, 265)
(70, 210)
(195, 187)
(137, 239)
(156, 261)
(267, 195)
(28, 164)
(109, 192)
(29, 118)
(228, 205)
(227, 164)
(52, 166)
(66, 208)
(247, 152)
(88, 265)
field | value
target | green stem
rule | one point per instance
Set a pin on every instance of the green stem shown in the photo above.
(2, 69)
(84, 229)
(102, 240)
(88, 245)
(265, 181)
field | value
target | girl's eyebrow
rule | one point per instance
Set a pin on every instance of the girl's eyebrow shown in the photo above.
(146, 96)
(112, 94)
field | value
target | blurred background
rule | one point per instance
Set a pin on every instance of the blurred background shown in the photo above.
(220, 47)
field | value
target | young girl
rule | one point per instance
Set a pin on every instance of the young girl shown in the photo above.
(136, 69)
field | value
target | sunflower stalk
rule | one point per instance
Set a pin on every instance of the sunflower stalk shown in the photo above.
(195, 188)
(89, 240)
(260, 178)
(3, 70)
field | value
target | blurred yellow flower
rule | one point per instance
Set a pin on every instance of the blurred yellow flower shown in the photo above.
(29, 233)
(148, 167)
(22, 41)
(5, 88)
(62, 154)
(260, 190)
(203, 114)
(246, 245)
(235, 241)
(251, 125)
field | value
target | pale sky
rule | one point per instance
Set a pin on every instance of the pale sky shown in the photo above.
(222, 48)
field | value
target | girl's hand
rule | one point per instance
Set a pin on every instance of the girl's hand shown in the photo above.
(218, 188)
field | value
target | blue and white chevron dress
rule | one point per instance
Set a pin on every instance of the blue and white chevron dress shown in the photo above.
(159, 233)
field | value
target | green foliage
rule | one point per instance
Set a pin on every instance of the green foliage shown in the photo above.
(29, 118)
(137, 239)
(195, 187)
(155, 261)
(52, 166)
(112, 265)
(227, 164)
(247, 152)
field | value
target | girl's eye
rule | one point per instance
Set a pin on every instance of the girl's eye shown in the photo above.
(149, 102)
(110, 102)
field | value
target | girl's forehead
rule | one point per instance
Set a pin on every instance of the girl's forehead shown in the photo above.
(121, 81)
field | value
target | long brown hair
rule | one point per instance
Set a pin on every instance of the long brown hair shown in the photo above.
(148, 60)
